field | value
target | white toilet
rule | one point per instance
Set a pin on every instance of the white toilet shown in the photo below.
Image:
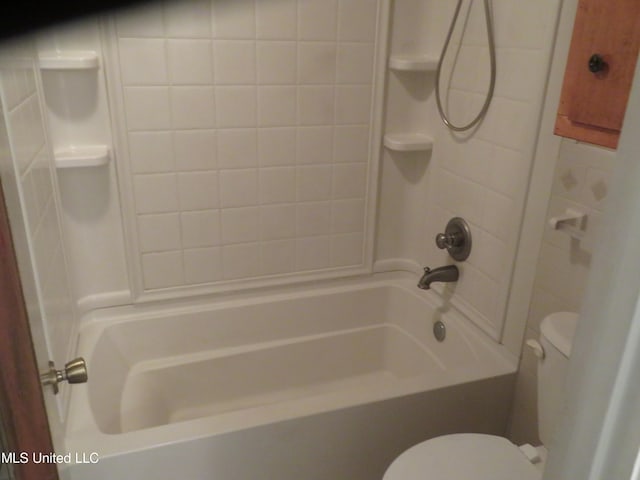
(488, 457)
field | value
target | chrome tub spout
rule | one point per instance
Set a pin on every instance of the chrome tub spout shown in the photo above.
(448, 273)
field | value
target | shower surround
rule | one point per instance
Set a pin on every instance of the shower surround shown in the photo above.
(480, 175)
(248, 145)
(245, 135)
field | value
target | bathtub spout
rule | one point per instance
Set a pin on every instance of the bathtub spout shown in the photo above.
(448, 273)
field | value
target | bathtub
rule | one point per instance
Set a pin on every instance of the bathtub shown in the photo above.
(331, 381)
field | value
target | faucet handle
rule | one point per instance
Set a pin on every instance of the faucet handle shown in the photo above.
(456, 239)
(448, 240)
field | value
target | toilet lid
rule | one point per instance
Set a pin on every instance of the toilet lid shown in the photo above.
(465, 456)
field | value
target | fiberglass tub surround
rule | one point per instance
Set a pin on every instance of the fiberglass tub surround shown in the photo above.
(194, 376)
(246, 144)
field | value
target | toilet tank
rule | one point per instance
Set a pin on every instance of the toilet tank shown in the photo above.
(556, 336)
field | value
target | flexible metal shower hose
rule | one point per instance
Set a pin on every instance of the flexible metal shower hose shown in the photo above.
(492, 83)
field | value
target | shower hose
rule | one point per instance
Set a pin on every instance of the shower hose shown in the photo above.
(492, 57)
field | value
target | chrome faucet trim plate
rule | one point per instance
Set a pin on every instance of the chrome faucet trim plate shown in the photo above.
(456, 239)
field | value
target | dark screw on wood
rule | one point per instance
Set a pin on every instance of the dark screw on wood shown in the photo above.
(596, 63)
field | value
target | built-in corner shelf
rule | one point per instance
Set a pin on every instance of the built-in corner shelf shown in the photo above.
(408, 142)
(82, 156)
(413, 63)
(76, 60)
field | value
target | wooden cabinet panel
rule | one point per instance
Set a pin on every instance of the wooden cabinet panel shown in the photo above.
(592, 104)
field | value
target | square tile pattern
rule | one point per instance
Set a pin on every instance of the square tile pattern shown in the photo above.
(481, 175)
(247, 126)
(30, 155)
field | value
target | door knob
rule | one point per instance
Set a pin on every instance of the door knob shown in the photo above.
(75, 371)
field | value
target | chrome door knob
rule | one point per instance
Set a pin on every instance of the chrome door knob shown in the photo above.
(75, 371)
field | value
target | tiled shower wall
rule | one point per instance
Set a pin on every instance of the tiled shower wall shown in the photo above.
(581, 182)
(247, 128)
(28, 177)
(482, 174)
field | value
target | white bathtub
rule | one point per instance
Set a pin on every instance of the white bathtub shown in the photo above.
(328, 382)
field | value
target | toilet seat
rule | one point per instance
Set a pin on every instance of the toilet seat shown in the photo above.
(463, 456)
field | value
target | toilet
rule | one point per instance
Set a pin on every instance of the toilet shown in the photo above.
(489, 457)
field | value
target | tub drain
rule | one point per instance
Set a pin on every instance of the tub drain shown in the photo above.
(439, 331)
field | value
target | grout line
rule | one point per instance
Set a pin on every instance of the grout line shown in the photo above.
(274, 40)
(296, 253)
(257, 162)
(331, 162)
(212, 54)
(170, 85)
(332, 198)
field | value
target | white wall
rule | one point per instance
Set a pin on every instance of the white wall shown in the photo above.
(552, 269)
(28, 177)
(417, 27)
(78, 115)
(244, 137)
(581, 181)
(599, 434)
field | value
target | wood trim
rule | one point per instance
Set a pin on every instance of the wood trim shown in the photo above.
(22, 409)
(592, 105)
(586, 133)
(612, 30)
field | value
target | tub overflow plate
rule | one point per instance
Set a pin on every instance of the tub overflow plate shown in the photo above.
(439, 331)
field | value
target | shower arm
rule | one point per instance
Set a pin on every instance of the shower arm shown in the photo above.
(492, 83)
